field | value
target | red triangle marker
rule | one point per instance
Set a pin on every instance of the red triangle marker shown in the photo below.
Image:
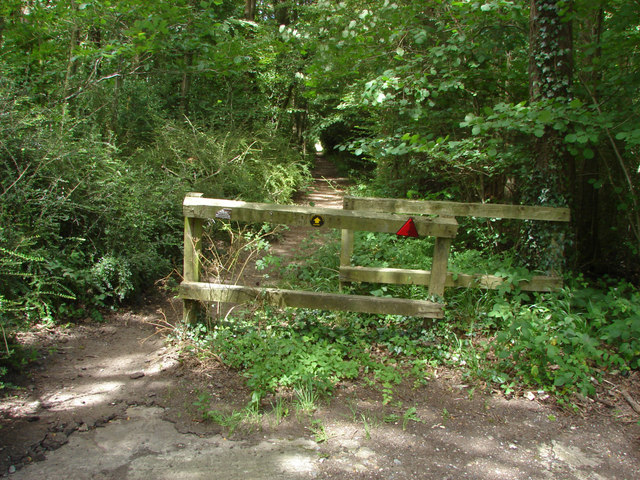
(408, 229)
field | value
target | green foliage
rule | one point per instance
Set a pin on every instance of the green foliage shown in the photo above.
(438, 99)
(109, 113)
(253, 166)
(303, 355)
(231, 421)
(562, 341)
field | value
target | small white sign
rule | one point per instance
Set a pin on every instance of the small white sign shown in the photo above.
(224, 214)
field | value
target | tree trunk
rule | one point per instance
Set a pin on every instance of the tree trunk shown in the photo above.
(550, 79)
(185, 86)
(71, 67)
(550, 49)
(250, 10)
(282, 12)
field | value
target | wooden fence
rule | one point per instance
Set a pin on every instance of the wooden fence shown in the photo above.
(193, 290)
(435, 279)
(363, 214)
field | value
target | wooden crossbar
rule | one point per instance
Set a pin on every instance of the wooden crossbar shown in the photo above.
(488, 210)
(296, 215)
(213, 292)
(439, 278)
(400, 276)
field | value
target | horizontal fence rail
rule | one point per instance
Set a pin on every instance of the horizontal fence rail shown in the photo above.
(214, 292)
(399, 276)
(455, 209)
(296, 215)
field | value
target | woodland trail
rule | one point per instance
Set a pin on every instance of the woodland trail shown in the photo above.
(326, 191)
(117, 401)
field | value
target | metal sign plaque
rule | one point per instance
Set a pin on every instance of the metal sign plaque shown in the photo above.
(316, 221)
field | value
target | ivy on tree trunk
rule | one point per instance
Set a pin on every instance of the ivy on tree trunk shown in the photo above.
(550, 79)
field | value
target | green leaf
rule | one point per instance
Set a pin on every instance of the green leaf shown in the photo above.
(545, 116)
(476, 130)
(575, 103)
(588, 153)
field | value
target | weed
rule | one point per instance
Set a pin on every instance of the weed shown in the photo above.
(471, 393)
(279, 410)
(367, 426)
(306, 398)
(319, 432)
(230, 421)
(445, 414)
(391, 418)
(411, 415)
(249, 416)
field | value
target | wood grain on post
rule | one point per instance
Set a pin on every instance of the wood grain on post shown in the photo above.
(439, 266)
(346, 242)
(192, 261)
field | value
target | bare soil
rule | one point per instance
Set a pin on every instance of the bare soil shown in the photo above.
(116, 401)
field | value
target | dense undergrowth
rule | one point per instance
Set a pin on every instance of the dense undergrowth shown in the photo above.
(85, 226)
(562, 343)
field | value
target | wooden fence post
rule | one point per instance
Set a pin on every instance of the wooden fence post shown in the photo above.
(192, 261)
(346, 244)
(439, 266)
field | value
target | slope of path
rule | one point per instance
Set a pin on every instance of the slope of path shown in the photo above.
(326, 191)
(295, 243)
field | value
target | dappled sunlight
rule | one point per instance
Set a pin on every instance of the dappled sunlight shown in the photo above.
(296, 463)
(101, 376)
(83, 395)
(456, 442)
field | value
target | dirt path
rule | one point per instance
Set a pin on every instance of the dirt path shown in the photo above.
(116, 401)
(326, 191)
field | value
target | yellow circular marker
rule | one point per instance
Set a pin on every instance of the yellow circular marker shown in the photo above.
(316, 221)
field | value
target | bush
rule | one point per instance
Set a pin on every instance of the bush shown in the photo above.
(561, 341)
(83, 224)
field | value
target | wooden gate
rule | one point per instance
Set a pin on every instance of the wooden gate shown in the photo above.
(364, 214)
(193, 290)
